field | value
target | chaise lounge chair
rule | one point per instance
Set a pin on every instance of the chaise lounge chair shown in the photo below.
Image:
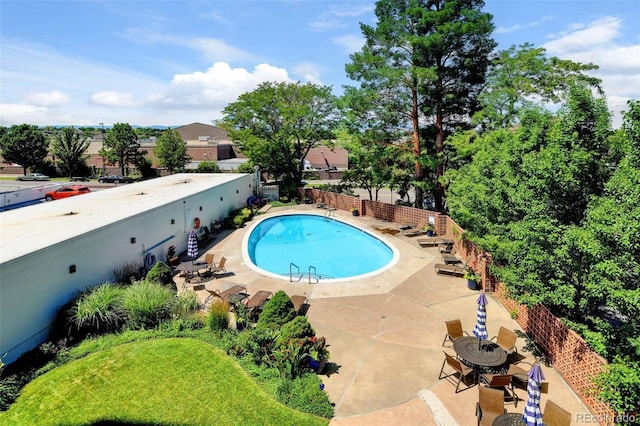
(298, 303)
(450, 269)
(257, 302)
(236, 293)
(432, 241)
(451, 258)
(419, 229)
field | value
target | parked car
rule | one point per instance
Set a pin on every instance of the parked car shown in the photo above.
(67, 191)
(114, 179)
(33, 176)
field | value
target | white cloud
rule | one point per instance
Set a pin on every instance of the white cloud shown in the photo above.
(53, 98)
(518, 27)
(349, 43)
(115, 99)
(334, 17)
(217, 86)
(309, 72)
(597, 42)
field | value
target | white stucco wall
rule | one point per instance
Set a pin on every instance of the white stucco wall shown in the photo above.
(39, 243)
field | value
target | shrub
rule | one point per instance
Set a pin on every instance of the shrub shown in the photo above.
(291, 360)
(304, 394)
(160, 273)
(97, 309)
(128, 273)
(298, 328)
(185, 304)
(277, 312)
(146, 305)
(218, 316)
(9, 390)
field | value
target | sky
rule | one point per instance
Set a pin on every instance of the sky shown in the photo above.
(171, 63)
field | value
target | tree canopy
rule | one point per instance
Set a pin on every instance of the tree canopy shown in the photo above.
(421, 70)
(278, 123)
(121, 146)
(26, 145)
(171, 150)
(69, 146)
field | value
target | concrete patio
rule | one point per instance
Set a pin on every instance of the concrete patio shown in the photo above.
(385, 333)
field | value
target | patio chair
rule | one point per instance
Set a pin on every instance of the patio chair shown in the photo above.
(500, 381)
(298, 303)
(207, 235)
(220, 267)
(451, 269)
(320, 204)
(232, 294)
(447, 247)
(454, 331)
(490, 405)
(208, 257)
(554, 415)
(506, 339)
(256, 303)
(463, 372)
(419, 229)
(451, 258)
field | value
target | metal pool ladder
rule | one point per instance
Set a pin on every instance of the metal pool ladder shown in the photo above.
(299, 276)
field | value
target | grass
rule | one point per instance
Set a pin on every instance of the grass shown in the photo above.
(178, 381)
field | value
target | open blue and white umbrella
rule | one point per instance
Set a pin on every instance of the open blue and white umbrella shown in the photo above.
(532, 415)
(480, 330)
(192, 246)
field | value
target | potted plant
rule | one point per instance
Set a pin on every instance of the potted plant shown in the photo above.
(430, 229)
(319, 353)
(172, 259)
(473, 279)
(354, 211)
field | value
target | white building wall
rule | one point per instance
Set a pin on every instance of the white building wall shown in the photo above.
(34, 286)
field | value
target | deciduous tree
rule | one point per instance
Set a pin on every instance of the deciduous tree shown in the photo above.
(121, 145)
(26, 145)
(171, 151)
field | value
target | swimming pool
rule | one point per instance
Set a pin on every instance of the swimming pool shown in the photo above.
(328, 248)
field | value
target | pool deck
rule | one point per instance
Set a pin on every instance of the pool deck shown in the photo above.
(385, 332)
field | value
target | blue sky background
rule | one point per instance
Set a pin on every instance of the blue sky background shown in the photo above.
(177, 62)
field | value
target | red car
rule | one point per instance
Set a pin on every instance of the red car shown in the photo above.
(67, 191)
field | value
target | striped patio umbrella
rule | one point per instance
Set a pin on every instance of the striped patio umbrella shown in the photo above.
(532, 415)
(480, 330)
(192, 246)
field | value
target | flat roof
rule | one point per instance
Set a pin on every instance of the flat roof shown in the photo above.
(28, 229)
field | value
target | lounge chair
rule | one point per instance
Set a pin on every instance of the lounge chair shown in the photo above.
(236, 293)
(451, 269)
(463, 372)
(554, 415)
(451, 258)
(220, 267)
(506, 339)
(490, 405)
(298, 303)
(500, 381)
(447, 247)
(321, 204)
(256, 303)
(419, 229)
(454, 331)
(432, 241)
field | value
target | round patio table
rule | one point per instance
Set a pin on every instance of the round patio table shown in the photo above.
(189, 268)
(508, 419)
(486, 354)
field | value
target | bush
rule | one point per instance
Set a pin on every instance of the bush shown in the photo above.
(146, 305)
(160, 273)
(304, 394)
(218, 316)
(128, 273)
(97, 310)
(9, 390)
(277, 312)
(298, 328)
(185, 304)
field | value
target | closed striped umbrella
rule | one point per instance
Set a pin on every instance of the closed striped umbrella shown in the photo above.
(480, 330)
(192, 245)
(532, 415)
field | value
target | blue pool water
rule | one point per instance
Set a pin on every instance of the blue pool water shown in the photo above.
(336, 249)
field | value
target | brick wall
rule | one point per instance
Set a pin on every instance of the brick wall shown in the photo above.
(567, 351)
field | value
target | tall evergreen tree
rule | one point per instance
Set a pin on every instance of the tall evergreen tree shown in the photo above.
(421, 70)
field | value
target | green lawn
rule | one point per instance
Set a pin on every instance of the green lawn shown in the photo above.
(163, 381)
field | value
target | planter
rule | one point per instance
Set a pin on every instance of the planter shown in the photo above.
(355, 213)
(317, 366)
(174, 261)
(429, 233)
(472, 284)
